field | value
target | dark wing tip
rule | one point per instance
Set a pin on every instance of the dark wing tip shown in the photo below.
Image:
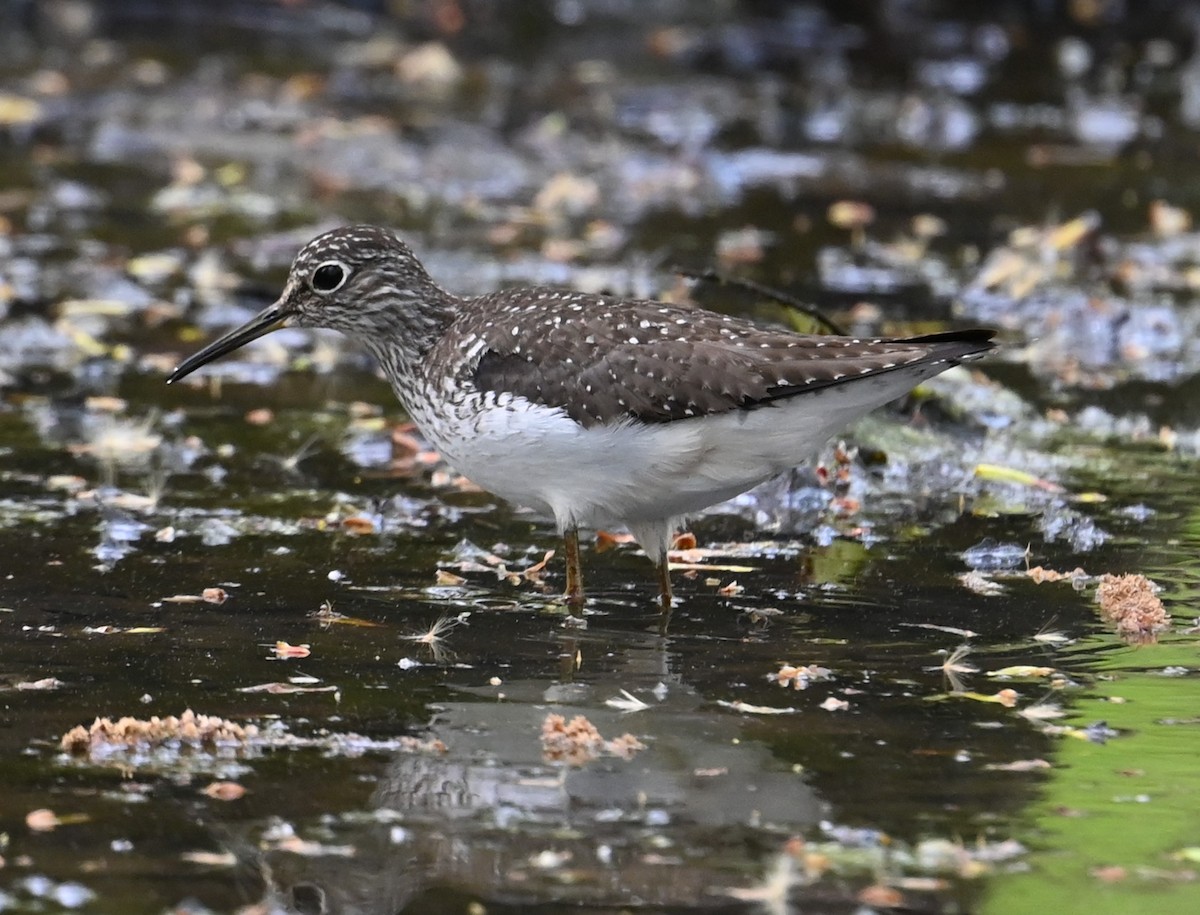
(957, 344)
(982, 336)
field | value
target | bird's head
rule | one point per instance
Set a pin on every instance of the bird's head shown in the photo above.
(360, 280)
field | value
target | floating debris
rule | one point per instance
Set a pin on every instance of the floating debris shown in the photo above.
(747, 708)
(210, 858)
(224, 791)
(285, 651)
(979, 583)
(286, 689)
(771, 893)
(128, 742)
(988, 555)
(1096, 732)
(1005, 697)
(1039, 575)
(1133, 604)
(46, 820)
(1051, 636)
(800, 677)
(46, 683)
(1019, 765)
(952, 630)
(997, 474)
(470, 558)
(626, 702)
(199, 731)
(1021, 672)
(207, 596)
(434, 638)
(1041, 711)
(577, 741)
(327, 616)
(762, 616)
(954, 667)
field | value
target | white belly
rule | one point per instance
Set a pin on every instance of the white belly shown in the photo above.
(635, 474)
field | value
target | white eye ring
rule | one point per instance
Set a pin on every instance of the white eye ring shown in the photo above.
(328, 277)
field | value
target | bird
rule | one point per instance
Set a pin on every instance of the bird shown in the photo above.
(596, 410)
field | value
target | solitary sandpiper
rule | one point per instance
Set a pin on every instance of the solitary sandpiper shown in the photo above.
(597, 410)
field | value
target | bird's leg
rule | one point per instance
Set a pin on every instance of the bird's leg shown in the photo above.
(566, 660)
(664, 583)
(574, 593)
(655, 538)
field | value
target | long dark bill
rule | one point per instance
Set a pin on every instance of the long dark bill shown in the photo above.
(267, 320)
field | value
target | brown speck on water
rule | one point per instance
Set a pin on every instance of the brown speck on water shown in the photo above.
(879, 896)
(800, 677)
(286, 651)
(262, 416)
(224, 791)
(1040, 574)
(359, 524)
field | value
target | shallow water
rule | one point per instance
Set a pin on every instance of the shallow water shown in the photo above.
(155, 187)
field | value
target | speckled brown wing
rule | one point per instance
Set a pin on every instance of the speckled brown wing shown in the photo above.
(603, 360)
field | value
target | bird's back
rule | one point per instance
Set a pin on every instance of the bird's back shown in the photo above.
(603, 360)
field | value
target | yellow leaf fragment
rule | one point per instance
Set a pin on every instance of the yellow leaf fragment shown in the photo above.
(999, 474)
(1006, 697)
(1021, 671)
(16, 109)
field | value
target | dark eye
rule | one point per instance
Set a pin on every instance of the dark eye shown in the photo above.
(328, 277)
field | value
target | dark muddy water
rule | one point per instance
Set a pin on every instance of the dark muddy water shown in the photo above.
(382, 655)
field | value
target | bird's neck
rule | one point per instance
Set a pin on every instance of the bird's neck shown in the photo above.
(402, 335)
